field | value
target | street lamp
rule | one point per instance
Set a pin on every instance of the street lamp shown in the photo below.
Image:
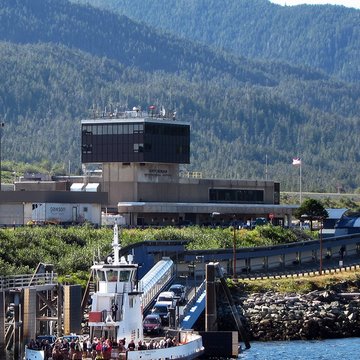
(202, 258)
(192, 268)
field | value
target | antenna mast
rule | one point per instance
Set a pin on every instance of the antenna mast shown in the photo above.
(115, 244)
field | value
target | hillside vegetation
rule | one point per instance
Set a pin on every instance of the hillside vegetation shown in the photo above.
(59, 61)
(325, 37)
(73, 250)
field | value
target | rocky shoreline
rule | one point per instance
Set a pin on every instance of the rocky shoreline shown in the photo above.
(273, 316)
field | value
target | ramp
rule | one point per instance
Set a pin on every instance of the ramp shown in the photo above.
(194, 308)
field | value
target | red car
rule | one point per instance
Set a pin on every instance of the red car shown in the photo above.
(152, 324)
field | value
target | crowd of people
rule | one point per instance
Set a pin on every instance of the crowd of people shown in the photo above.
(102, 348)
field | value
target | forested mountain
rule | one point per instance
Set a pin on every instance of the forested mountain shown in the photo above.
(58, 60)
(326, 37)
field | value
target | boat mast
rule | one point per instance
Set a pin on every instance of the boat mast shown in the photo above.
(115, 245)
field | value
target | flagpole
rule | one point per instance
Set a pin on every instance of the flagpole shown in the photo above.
(300, 183)
(298, 162)
(266, 167)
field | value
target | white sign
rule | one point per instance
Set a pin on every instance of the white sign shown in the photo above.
(34, 354)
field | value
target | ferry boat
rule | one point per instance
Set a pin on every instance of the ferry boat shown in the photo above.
(116, 311)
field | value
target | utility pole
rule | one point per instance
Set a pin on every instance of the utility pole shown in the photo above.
(321, 245)
(1, 126)
(234, 252)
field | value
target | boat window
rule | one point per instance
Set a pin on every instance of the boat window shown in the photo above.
(112, 275)
(124, 276)
(101, 275)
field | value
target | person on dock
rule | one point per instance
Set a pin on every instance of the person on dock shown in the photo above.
(142, 345)
(98, 348)
(93, 348)
(45, 345)
(85, 344)
(342, 252)
(131, 346)
(106, 349)
(76, 353)
(57, 354)
(121, 345)
(114, 309)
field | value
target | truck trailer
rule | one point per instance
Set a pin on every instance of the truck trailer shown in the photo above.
(60, 213)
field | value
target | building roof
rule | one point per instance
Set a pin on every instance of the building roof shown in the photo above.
(92, 187)
(210, 208)
(348, 222)
(336, 213)
(77, 187)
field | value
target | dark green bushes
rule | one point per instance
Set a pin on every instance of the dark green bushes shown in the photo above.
(72, 250)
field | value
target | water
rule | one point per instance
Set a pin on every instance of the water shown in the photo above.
(341, 349)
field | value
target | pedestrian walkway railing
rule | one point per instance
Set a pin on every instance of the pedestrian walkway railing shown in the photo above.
(310, 271)
(27, 280)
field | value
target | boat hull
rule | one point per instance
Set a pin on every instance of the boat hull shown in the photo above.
(186, 351)
(192, 349)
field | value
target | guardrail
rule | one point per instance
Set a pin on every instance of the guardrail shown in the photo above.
(27, 280)
(297, 257)
(352, 265)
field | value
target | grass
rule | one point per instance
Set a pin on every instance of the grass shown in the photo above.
(348, 281)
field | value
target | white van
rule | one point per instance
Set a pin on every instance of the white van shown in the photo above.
(166, 296)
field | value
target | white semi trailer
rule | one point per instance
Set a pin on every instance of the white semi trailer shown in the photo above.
(59, 213)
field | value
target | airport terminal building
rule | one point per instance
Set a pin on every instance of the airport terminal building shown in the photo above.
(138, 155)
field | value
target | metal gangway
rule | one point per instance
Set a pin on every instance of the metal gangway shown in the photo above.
(194, 307)
(14, 282)
(15, 293)
(155, 281)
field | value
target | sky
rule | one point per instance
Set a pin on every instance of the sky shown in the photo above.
(348, 3)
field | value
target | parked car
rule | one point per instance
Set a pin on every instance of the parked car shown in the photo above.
(161, 308)
(179, 291)
(166, 296)
(70, 338)
(259, 221)
(152, 324)
(43, 338)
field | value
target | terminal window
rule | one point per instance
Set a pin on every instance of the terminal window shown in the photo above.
(236, 195)
(134, 142)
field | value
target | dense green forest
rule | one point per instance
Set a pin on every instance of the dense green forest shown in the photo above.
(59, 60)
(326, 37)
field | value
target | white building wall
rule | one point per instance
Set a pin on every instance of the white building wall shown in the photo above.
(11, 214)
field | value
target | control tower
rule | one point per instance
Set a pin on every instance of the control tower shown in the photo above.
(135, 148)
